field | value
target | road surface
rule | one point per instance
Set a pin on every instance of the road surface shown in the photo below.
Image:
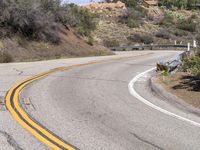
(91, 107)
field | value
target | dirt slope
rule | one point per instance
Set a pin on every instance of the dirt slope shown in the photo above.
(72, 45)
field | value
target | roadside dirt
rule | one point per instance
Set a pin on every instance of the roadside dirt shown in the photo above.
(184, 86)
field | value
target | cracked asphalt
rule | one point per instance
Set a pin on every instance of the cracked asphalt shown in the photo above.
(12, 135)
(91, 107)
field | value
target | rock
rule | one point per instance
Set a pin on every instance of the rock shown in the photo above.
(105, 6)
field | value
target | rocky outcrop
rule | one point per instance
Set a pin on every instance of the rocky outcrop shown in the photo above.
(105, 6)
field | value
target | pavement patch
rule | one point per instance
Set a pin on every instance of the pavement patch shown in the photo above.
(11, 141)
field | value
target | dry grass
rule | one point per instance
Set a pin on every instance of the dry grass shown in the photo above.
(184, 86)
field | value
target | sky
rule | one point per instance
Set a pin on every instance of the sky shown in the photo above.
(81, 1)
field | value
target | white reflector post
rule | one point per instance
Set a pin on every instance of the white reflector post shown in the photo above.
(188, 46)
(195, 44)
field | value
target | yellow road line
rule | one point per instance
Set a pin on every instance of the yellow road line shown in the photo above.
(25, 116)
(13, 105)
(16, 91)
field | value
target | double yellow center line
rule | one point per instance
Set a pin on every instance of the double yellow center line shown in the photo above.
(34, 127)
(29, 123)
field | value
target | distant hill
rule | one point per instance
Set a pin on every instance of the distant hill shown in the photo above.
(119, 25)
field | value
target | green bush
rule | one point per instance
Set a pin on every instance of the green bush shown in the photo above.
(192, 65)
(111, 43)
(85, 20)
(187, 25)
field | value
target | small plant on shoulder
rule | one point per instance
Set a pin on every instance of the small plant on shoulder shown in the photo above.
(165, 73)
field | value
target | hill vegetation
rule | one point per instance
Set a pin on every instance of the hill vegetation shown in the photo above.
(31, 24)
(173, 20)
(39, 19)
(162, 24)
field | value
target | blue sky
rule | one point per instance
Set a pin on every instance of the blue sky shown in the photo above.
(80, 1)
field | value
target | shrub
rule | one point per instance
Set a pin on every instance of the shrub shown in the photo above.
(179, 32)
(85, 23)
(90, 40)
(192, 65)
(187, 25)
(111, 43)
(146, 39)
(168, 20)
(133, 23)
(22, 41)
(32, 22)
(163, 33)
(132, 18)
(5, 57)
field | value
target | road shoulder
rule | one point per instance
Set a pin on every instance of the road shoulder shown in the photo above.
(163, 87)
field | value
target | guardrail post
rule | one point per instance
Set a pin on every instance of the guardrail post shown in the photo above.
(194, 43)
(188, 47)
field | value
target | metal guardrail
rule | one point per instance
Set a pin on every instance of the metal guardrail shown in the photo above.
(142, 47)
(172, 65)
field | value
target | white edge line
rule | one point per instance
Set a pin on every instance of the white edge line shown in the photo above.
(145, 101)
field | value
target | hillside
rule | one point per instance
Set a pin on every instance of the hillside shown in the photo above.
(45, 29)
(72, 45)
(124, 26)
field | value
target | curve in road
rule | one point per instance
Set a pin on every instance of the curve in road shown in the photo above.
(94, 109)
(30, 124)
(35, 128)
(145, 101)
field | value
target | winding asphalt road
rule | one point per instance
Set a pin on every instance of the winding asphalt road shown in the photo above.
(91, 108)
